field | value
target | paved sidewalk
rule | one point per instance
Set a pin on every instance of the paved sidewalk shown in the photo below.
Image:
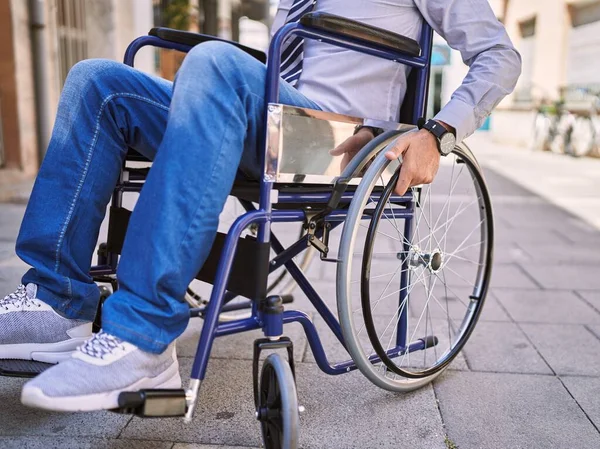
(530, 376)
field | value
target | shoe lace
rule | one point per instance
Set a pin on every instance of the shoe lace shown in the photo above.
(100, 345)
(17, 298)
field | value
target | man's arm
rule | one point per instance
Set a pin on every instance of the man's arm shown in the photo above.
(471, 27)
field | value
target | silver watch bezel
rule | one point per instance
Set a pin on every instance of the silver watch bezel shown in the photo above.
(447, 143)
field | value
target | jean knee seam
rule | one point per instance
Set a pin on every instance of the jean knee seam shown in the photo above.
(88, 162)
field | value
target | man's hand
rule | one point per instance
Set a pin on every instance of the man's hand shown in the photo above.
(420, 159)
(352, 145)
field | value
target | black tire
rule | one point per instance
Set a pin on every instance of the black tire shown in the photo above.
(422, 260)
(278, 404)
(474, 313)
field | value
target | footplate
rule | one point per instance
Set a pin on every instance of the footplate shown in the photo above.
(153, 403)
(22, 368)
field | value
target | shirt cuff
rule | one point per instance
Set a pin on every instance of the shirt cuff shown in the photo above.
(459, 115)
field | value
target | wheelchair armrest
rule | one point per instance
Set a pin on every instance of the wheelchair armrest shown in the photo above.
(361, 32)
(193, 39)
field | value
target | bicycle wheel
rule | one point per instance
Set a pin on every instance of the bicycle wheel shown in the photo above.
(541, 132)
(422, 288)
(582, 137)
(559, 142)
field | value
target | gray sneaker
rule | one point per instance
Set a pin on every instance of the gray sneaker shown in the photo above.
(31, 330)
(97, 373)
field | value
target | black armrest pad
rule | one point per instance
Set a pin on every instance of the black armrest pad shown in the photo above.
(193, 39)
(360, 31)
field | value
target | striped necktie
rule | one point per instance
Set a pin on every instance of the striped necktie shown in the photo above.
(293, 52)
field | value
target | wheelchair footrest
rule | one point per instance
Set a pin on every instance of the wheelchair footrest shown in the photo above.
(22, 368)
(153, 403)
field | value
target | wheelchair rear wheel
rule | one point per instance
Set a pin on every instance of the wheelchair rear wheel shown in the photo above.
(417, 284)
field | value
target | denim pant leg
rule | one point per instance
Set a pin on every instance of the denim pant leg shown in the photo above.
(104, 107)
(216, 114)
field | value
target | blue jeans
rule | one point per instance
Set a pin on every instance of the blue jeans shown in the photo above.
(197, 131)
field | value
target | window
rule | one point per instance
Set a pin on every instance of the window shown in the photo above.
(72, 36)
(583, 64)
(527, 49)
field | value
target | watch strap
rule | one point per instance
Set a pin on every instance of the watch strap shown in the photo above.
(435, 128)
(376, 131)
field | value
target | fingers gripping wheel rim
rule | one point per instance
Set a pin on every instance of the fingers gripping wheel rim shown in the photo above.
(278, 404)
(445, 263)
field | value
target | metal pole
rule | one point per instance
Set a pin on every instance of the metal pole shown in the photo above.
(37, 17)
(210, 25)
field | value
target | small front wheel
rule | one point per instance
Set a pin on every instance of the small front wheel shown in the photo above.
(278, 404)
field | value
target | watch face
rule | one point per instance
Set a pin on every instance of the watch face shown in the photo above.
(447, 143)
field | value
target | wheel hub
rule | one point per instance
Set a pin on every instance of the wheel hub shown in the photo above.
(433, 261)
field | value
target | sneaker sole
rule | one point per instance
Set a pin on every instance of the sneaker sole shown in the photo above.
(35, 397)
(42, 352)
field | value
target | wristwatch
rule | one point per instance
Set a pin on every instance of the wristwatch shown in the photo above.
(376, 131)
(446, 141)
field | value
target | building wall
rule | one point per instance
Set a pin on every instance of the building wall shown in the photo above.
(513, 121)
(9, 123)
(20, 137)
(110, 26)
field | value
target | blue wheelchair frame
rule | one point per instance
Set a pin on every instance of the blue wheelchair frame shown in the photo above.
(264, 215)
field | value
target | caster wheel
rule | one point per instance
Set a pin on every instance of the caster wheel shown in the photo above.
(278, 404)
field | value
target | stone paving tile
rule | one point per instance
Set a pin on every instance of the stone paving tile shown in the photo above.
(204, 446)
(237, 346)
(565, 277)
(547, 306)
(568, 349)
(11, 216)
(517, 411)
(10, 277)
(592, 298)
(7, 250)
(226, 413)
(79, 443)
(510, 276)
(505, 253)
(457, 302)
(325, 289)
(586, 391)
(498, 184)
(348, 411)
(533, 215)
(336, 353)
(504, 235)
(595, 329)
(502, 347)
(561, 253)
(17, 419)
(581, 235)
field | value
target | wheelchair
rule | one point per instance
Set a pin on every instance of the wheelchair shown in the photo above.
(411, 271)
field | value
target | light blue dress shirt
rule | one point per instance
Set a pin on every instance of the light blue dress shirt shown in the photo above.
(361, 85)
